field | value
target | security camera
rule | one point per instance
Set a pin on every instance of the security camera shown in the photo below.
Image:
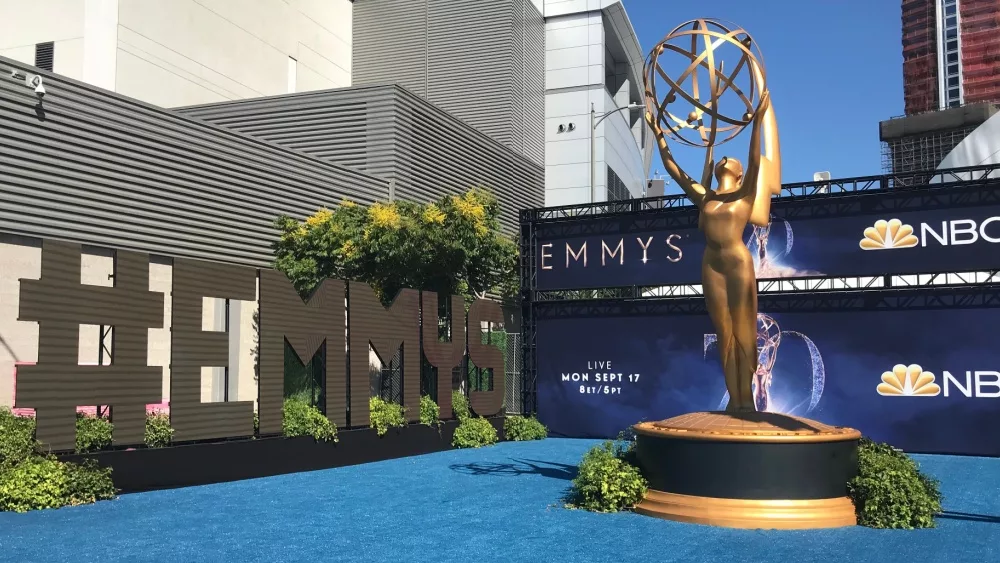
(36, 81)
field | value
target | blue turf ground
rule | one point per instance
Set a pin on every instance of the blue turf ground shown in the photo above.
(494, 504)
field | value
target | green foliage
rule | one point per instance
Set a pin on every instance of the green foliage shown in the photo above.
(430, 413)
(88, 482)
(158, 430)
(29, 481)
(92, 433)
(606, 481)
(17, 438)
(474, 433)
(299, 418)
(479, 379)
(453, 246)
(890, 491)
(460, 406)
(385, 415)
(520, 428)
(304, 381)
(35, 483)
(44, 482)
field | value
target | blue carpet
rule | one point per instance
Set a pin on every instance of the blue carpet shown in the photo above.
(494, 504)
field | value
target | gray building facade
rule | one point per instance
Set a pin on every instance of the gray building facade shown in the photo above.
(91, 166)
(391, 133)
(483, 61)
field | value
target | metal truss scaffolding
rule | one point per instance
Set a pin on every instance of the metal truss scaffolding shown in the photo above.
(918, 190)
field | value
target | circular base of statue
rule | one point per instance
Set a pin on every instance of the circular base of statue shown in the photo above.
(748, 470)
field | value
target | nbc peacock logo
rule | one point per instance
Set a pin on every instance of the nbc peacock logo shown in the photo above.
(889, 234)
(908, 381)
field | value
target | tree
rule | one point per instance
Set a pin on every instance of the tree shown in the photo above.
(453, 246)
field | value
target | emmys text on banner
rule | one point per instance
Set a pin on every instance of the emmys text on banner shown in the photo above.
(924, 380)
(625, 251)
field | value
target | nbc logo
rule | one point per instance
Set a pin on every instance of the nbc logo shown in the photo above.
(889, 234)
(908, 381)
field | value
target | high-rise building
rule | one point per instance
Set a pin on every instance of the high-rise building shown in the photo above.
(951, 53)
(951, 81)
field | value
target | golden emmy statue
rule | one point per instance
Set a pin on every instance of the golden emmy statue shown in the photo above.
(743, 194)
(689, 459)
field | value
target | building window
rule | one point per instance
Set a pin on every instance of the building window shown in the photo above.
(617, 191)
(45, 55)
(951, 74)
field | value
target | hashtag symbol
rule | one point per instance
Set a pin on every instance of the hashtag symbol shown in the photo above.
(56, 384)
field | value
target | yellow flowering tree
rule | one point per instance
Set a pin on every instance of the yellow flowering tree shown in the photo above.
(452, 246)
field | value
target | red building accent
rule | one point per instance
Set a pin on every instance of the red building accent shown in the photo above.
(920, 64)
(980, 36)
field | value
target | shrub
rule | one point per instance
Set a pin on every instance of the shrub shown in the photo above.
(88, 482)
(474, 433)
(890, 491)
(92, 433)
(520, 428)
(35, 483)
(44, 482)
(299, 418)
(17, 438)
(385, 415)
(606, 481)
(158, 430)
(460, 406)
(430, 413)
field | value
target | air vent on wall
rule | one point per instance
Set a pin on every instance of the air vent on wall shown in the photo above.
(45, 55)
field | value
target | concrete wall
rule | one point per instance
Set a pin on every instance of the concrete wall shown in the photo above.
(182, 52)
(587, 62)
(21, 259)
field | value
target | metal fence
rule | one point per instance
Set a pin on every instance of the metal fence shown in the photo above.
(512, 374)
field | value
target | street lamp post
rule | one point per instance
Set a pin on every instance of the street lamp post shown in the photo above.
(594, 122)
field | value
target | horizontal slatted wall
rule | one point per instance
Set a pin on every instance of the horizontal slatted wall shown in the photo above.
(534, 83)
(447, 156)
(429, 152)
(350, 126)
(91, 166)
(389, 43)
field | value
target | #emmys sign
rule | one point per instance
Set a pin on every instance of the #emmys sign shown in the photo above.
(345, 315)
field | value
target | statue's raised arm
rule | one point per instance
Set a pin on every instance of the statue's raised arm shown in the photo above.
(694, 190)
(767, 181)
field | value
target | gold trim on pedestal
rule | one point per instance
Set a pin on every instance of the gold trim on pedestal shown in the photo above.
(750, 514)
(759, 427)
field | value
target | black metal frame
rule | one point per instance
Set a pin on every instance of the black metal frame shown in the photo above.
(957, 187)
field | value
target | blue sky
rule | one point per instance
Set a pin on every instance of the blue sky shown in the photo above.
(834, 70)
